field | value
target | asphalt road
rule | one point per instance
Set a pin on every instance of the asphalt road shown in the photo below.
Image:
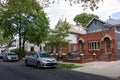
(19, 71)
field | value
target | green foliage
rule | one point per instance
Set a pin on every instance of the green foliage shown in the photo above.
(92, 4)
(3, 40)
(67, 66)
(25, 18)
(84, 18)
(56, 38)
(17, 52)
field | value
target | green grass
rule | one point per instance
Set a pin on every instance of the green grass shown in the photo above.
(67, 66)
(119, 78)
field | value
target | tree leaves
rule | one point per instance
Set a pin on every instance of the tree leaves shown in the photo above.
(84, 19)
(56, 38)
(25, 18)
(91, 4)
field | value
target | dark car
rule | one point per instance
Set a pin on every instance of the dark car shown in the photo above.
(1, 55)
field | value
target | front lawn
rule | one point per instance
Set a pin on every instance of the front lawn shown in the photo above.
(67, 66)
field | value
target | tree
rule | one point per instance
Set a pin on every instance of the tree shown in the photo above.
(84, 18)
(56, 39)
(20, 17)
(92, 4)
(2, 39)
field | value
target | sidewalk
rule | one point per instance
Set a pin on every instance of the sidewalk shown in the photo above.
(108, 69)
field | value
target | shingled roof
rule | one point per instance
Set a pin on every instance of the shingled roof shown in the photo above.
(76, 31)
(113, 21)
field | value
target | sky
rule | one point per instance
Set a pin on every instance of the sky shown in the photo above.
(64, 11)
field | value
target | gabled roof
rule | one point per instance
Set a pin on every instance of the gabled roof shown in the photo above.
(109, 23)
(76, 31)
(93, 20)
(105, 23)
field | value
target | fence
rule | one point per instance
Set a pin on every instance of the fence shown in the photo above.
(78, 58)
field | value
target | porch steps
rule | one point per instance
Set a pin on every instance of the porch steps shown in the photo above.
(104, 57)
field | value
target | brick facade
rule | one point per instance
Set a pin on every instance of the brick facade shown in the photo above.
(103, 53)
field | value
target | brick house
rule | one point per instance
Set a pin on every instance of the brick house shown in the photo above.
(101, 38)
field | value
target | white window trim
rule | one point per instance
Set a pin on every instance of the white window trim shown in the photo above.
(95, 45)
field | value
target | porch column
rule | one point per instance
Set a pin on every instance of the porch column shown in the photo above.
(82, 58)
(94, 56)
(42, 47)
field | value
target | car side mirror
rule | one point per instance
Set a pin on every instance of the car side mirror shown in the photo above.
(36, 56)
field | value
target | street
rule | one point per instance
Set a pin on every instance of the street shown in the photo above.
(19, 71)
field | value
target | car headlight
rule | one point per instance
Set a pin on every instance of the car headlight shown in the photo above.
(44, 60)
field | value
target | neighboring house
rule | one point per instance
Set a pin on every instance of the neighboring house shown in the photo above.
(74, 32)
(101, 38)
(15, 44)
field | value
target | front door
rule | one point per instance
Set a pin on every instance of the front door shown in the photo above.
(107, 45)
(81, 46)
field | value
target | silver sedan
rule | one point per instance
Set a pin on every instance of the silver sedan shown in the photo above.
(40, 59)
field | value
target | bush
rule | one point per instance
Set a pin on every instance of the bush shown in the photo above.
(20, 54)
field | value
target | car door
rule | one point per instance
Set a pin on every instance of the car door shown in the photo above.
(34, 58)
(29, 58)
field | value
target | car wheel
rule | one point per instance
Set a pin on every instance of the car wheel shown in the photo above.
(6, 59)
(26, 62)
(38, 65)
(3, 59)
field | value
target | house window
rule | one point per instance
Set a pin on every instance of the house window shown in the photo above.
(118, 44)
(95, 30)
(74, 48)
(94, 45)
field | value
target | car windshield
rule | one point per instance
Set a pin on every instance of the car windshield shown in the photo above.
(0, 54)
(11, 54)
(44, 55)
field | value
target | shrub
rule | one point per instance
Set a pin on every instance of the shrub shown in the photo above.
(20, 54)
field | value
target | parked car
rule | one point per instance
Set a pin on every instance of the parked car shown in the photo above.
(1, 55)
(10, 56)
(40, 59)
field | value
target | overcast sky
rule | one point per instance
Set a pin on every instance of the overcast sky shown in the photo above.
(64, 11)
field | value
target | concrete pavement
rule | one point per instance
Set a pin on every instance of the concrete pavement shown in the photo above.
(108, 69)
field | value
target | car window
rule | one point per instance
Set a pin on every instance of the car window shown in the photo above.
(32, 53)
(44, 55)
(35, 55)
(11, 54)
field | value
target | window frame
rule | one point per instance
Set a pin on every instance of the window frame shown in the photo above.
(74, 47)
(93, 45)
(118, 44)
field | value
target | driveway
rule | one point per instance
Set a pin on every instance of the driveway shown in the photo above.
(108, 69)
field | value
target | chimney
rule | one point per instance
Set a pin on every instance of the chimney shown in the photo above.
(110, 17)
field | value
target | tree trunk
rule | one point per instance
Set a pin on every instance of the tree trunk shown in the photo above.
(20, 37)
(23, 46)
(20, 47)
